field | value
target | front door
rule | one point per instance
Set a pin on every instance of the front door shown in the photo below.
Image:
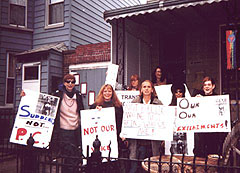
(31, 76)
(90, 82)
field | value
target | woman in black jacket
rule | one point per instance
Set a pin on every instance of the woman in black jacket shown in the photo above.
(108, 98)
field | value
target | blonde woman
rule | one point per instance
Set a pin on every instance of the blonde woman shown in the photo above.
(107, 97)
(138, 148)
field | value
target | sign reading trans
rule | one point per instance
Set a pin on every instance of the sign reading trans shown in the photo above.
(35, 117)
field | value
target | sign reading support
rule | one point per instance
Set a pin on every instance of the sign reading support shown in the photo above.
(203, 114)
(102, 123)
(148, 121)
(36, 116)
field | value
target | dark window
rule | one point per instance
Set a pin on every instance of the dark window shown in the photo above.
(56, 12)
(17, 15)
(31, 73)
(10, 78)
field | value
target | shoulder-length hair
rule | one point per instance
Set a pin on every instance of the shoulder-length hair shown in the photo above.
(133, 78)
(154, 94)
(100, 99)
(163, 77)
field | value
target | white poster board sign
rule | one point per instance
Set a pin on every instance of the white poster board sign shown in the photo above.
(203, 114)
(147, 121)
(185, 139)
(127, 96)
(102, 123)
(164, 93)
(111, 77)
(36, 115)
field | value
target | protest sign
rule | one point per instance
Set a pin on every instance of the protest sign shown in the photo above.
(36, 115)
(203, 114)
(102, 123)
(148, 121)
(127, 96)
(164, 93)
(111, 77)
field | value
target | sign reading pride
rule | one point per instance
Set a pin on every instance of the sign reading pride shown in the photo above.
(102, 123)
(203, 114)
(148, 121)
(36, 116)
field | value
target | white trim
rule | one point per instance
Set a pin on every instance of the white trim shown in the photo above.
(6, 83)
(39, 73)
(54, 25)
(26, 14)
(89, 66)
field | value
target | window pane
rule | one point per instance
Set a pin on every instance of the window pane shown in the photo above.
(31, 73)
(56, 13)
(11, 66)
(10, 91)
(17, 15)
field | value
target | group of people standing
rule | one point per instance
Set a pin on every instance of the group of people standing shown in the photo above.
(68, 121)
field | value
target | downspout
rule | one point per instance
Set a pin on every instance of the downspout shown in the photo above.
(70, 25)
(123, 53)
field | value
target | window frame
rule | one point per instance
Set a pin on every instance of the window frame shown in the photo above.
(9, 77)
(26, 14)
(54, 25)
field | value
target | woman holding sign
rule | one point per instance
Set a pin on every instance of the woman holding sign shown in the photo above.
(108, 98)
(138, 148)
(208, 143)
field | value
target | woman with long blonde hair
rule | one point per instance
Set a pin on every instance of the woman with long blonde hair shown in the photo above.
(107, 97)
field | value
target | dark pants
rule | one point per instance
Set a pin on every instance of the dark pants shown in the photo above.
(69, 143)
(141, 154)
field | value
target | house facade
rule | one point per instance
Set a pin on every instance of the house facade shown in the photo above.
(190, 39)
(33, 34)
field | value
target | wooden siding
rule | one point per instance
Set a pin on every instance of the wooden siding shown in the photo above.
(87, 23)
(11, 41)
(41, 35)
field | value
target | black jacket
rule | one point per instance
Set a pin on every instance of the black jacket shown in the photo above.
(59, 93)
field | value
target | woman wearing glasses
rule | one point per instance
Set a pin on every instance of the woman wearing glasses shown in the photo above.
(178, 91)
(68, 119)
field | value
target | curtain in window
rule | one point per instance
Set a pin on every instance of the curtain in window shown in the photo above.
(56, 13)
(17, 15)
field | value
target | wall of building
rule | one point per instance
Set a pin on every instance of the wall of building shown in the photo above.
(202, 56)
(90, 53)
(83, 23)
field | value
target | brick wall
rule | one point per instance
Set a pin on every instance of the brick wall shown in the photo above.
(90, 53)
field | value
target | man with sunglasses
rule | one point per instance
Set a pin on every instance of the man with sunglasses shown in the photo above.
(67, 125)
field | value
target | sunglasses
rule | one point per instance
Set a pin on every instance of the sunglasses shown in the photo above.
(69, 81)
(178, 91)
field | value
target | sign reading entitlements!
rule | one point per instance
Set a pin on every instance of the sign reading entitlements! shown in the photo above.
(36, 116)
(203, 114)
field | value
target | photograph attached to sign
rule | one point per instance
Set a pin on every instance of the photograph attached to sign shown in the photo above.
(46, 105)
(35, 117)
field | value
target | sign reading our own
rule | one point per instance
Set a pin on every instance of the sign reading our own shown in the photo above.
(36, 115)
(203, 114)
(148, 121)
(102, 123)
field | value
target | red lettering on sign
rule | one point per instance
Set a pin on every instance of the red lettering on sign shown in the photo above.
(21, 132)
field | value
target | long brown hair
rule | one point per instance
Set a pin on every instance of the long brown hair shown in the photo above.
(100, 99)
(154, 94)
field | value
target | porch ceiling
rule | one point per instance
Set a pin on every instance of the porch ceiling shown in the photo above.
(177, 14)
